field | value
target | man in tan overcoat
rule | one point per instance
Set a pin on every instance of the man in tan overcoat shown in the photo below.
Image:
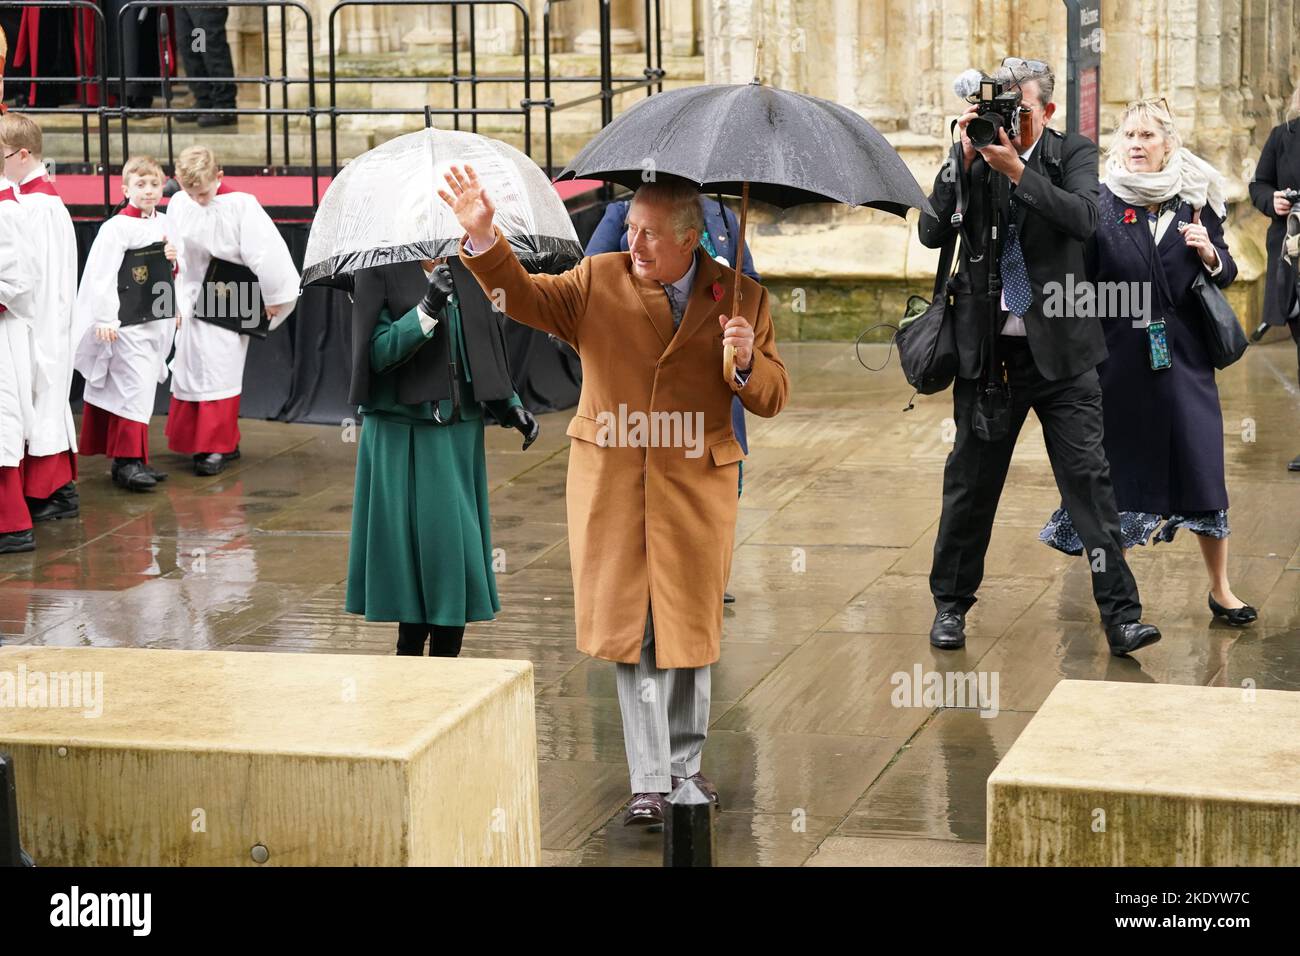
(651, 489)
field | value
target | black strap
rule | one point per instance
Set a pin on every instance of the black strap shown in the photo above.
(1052, 156)
(949, 246)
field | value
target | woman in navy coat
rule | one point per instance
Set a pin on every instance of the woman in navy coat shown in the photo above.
(1160, 223)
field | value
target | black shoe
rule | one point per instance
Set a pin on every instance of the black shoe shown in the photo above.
(64, 503)
(1294, 464)
(131, 474)
(1234, 616)
(214, 463)
(215, 120)
(155, 474)
(185, 117)
(948, 632)
(1124, 639)
(16, 542)
(728, 597)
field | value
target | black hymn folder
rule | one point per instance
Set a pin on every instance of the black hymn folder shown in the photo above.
(232, 299)
(139, 298)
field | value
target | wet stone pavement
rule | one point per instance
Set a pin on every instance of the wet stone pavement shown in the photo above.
(816, 761)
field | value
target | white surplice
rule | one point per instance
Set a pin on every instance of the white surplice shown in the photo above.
(121, 376)
(53, 243)
(209, 360)
(16, 281)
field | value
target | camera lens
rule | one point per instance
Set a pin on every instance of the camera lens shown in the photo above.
(983, 130)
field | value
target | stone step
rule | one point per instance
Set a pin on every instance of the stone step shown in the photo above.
(1127, 774)
(211, 758)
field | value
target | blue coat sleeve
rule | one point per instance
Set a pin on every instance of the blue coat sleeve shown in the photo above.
(609, 234)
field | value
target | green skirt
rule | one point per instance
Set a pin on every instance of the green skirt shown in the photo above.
(421, 547)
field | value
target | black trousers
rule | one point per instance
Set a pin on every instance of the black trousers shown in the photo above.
(212, 60)
(1070, 413)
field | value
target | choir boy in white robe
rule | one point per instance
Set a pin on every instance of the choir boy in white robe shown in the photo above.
(50, 465)
(122, 365)
(213, 221)
(17, 309)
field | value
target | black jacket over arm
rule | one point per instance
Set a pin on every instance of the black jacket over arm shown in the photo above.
(1054, 222)
(1279, 168)
(425, 376)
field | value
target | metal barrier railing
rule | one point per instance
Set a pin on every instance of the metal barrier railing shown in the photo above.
(265, 80)
(454, 79)
(653, 74)
(85, 111)
(103, 114)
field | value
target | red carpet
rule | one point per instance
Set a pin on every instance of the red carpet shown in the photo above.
(84, 194)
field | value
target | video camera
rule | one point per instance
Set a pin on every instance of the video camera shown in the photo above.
(999, 108)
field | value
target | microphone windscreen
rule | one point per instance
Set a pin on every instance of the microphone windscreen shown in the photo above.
(967, 83)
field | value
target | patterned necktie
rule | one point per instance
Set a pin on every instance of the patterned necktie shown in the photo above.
(1016, 291)
(675, 303)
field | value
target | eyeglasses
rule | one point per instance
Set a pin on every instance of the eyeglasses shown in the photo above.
(13, 154)
(1024, 69)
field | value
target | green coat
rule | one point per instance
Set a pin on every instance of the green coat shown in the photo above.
(421, 546)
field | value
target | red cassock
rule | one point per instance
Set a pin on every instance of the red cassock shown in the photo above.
(85, 29)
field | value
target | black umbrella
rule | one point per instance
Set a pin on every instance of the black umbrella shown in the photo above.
(745, 140)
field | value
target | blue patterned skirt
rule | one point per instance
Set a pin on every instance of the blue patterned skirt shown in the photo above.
(1136, 527)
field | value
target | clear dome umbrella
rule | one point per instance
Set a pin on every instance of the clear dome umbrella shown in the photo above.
(383, 207)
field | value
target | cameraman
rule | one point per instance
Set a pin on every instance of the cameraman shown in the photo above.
(1048, 210)
(1276, 175)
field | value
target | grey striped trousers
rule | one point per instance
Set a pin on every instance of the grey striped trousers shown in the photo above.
(665, 717)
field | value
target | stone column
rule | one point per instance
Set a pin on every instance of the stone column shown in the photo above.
(681, 26)
(730, 40)
(627, 27)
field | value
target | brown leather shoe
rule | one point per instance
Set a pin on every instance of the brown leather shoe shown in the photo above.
(705, 785)
(645, 810)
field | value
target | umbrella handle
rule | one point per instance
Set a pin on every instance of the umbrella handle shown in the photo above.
(729, 351)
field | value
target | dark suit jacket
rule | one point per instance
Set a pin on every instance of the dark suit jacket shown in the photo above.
(1054, 222)
(1279, 168)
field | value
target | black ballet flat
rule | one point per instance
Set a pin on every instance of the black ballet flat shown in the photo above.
(1233, 616)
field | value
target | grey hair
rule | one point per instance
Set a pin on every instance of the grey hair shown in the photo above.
(1045, 79)
(1293, 108)
(682, 200)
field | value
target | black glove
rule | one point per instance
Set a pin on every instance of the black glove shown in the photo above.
(521, 419)
(440, 288)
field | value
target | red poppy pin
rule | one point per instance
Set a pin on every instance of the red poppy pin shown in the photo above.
(1130, 216)
(717, 291)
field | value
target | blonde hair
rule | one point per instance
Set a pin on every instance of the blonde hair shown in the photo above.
(1154, 111)
(196, 166)
(21, 132)
(141, 166)
(1293, 108)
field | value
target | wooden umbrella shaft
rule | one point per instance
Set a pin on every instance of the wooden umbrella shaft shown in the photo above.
(729, 351)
